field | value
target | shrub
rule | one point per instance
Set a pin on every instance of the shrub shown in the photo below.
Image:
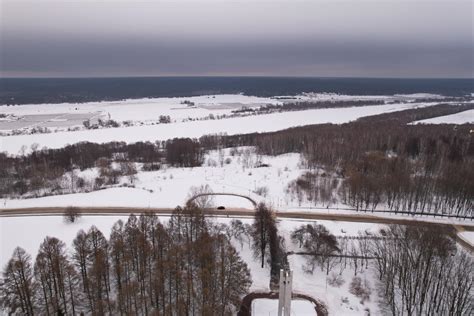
(359, 289)
(262, 191)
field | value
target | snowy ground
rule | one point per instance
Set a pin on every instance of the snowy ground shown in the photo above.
(53, 121)
(170, 187)
(468, 236)
(338, 300)
(145, 113)
(264, 307)
(238, 174)
(457, 118)
(29, 232)
(149, 109)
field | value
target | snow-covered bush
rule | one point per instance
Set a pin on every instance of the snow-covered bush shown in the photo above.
(360, 289)
(262, 191)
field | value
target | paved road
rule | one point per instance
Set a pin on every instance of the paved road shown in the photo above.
(243, 212)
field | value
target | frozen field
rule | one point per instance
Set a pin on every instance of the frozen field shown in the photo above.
(146, 110)
(59, 120)
(195, 129)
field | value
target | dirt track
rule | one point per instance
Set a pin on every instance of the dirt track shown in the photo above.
(242, 212)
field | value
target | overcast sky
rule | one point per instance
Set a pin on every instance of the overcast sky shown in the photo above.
(380, 38)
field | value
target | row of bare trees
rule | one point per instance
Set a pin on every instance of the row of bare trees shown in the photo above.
(423, 273)
(184, 267)
(391, 183)
(402, 185)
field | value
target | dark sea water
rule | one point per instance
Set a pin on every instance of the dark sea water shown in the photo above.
(22, 91)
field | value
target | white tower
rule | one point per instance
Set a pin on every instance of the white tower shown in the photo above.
(284, 297)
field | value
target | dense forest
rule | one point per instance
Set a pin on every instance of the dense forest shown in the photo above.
(186, 266)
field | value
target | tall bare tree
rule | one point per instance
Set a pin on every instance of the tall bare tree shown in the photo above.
(17, 289)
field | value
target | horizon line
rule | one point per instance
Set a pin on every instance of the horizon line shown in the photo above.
(237, 76)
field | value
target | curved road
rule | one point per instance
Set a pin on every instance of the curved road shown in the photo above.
(226, 194)
(243, 212)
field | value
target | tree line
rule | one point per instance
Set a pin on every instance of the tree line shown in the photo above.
(306, 105)
(184, 267)
(53, 171)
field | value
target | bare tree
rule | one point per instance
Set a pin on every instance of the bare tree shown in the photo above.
(50, 276)
(319, 244)
(72, 214)
(17, 290)
(263, 227)
(423, 273)
(203, 194)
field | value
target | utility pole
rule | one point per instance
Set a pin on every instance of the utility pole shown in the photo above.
(284, 296)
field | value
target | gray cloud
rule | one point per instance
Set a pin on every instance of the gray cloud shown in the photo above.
(298, 38)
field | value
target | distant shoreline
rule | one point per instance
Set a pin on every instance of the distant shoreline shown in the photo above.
(80, 90)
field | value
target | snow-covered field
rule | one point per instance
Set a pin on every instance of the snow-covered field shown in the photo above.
(145, 113)
(29, 232)
(146, 110)
(457, 118)
(52, 121)
(149, 109)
